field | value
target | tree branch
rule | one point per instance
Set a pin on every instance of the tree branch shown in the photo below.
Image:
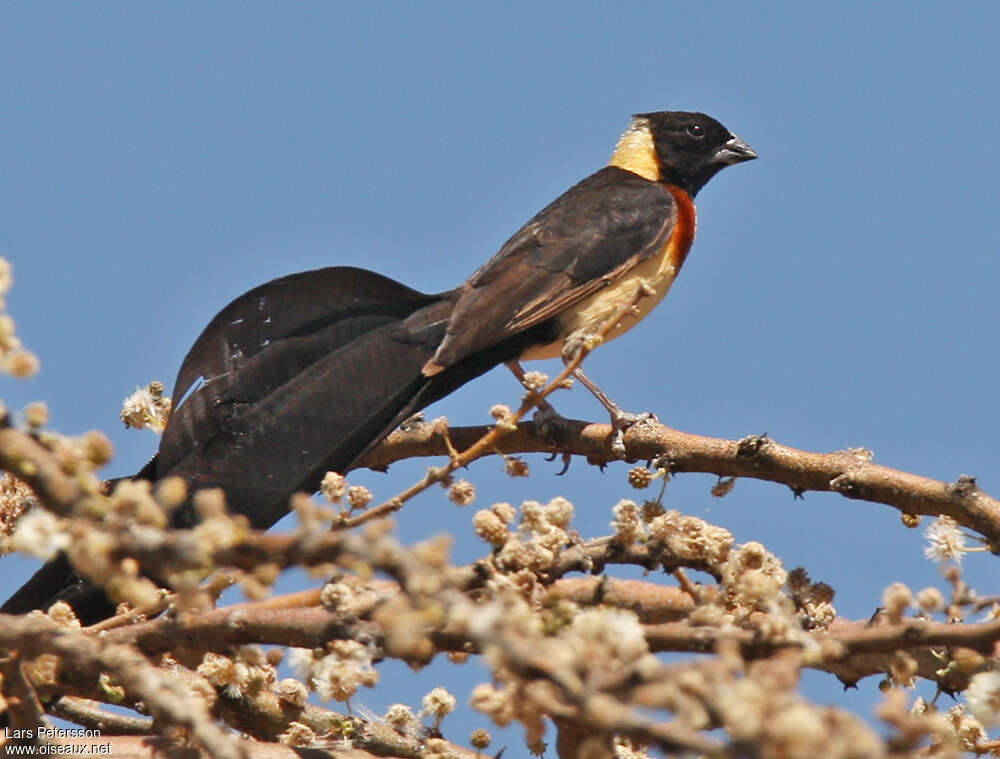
(34, 464)
(35, 635)
(850, 474)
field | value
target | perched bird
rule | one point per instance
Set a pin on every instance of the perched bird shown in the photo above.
(305, 374)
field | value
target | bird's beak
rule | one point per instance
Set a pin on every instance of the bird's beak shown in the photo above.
(734, 151)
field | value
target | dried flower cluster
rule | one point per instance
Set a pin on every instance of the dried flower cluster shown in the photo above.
(147, 408)
(336, 672)
(15, 497)
(15, 359)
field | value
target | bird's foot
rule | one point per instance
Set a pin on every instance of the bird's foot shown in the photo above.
(620, 423)
(546, 413)
(413, 422)
(556, 430)
(551, 425)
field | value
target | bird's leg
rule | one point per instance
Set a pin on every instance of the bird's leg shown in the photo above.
(621, 420)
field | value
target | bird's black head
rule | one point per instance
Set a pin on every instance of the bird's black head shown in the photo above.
(687, 149)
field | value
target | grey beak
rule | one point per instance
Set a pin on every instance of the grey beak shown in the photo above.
(734, 151)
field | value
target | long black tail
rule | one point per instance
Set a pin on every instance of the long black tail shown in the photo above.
(297, 377)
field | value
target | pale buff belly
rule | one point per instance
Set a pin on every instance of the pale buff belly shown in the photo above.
(589, 316)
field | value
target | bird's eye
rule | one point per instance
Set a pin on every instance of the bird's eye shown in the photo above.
(696, 130)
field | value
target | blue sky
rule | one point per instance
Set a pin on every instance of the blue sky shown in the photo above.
(156, 160)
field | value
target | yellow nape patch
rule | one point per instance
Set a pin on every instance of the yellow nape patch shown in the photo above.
(636, 152)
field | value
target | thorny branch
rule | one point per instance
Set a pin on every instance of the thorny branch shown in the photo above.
(849, 473)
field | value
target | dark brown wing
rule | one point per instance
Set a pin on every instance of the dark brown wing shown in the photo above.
(586, 238)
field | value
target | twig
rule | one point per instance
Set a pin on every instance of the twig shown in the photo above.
(220, 629)
(23, 707)
(85, 714)
(132, 616)
(35, 465)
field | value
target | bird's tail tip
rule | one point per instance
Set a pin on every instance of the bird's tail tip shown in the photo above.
(431, 368)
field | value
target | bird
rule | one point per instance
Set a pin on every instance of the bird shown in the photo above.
(307, 373)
